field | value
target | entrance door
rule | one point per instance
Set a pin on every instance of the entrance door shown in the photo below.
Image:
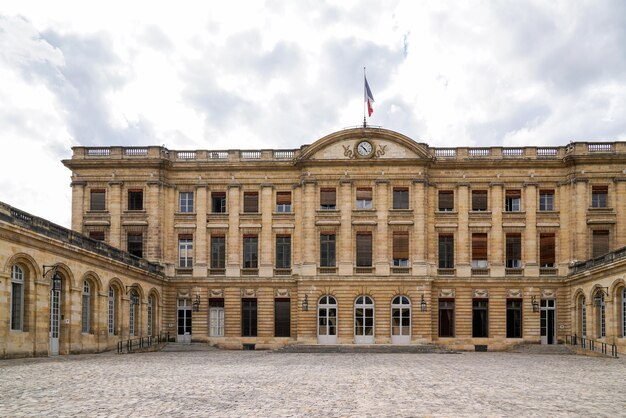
(55, 311)
(400, 320)
(548, 321)
(216, 318)
(184, 321)
(364, 320)
(327, 320)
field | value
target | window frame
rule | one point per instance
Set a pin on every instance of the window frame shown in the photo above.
(249, 317)
(185, 251)
(325, 196)
(18, 281)
(218, 251)
(283, 204)
(599, 197)
(477, 198)
(400, 198)
(250, 251)
(364, 198)
(364, 249)
(513, 200)
(513, 250)
(248, 205)
(329, 246)
(283, 251)
(135, 200)
(480, 318)
(546, 200)
(447, 306)
(445, 260)
(218, 201)
(128, 243)
(186, 202)
(400, 248)
(99, 208)
(514, 318)
(86, 308)
(282, 317)
(443, 200)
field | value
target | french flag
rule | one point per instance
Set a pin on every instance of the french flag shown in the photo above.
(369, 98)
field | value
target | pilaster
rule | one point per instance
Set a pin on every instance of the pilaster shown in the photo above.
(78, 207)
(463, 243)
(531, 267)
(381, 254)
(309, 264)
(420, 237)
(115, 211)
(266, 244)
(345, 248)
(154, 248)
(200, 265)
(497, 245)
(581, 204)
(233, 244)
(620, 209)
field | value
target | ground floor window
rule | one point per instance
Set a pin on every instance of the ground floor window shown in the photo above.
(282, 318)
(216, 317)
(327, 316)
(248, 318)
(624, 312)
(513, 318)
(583, 317)
(480, 318)
(401, 316)
(446, 317)
(364, 316)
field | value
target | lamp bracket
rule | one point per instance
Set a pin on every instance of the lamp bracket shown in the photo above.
(48, 269)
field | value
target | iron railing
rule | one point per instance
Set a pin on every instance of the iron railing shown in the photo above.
(140, 343)
(591, 345)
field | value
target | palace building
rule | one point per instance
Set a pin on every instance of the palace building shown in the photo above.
(363, 237)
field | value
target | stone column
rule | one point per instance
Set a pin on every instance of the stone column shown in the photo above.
(200, 265)
(297, 239)
(154, 248)
(115, 212)
(309, 265)
(345, 250)
(620, 209)
(78, 207)
(420, 236)
(380, 246)
(529, 255)
(496, 238)
(233, 246)
(581, 204)
(565, 234)
(463, 240)
(266, 244)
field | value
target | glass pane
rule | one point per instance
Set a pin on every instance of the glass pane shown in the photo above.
(332, 313)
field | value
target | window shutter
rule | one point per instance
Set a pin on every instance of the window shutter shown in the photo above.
(479, 200)
(513, 247)
(401, 245)
(600, 242)
(546, 250)
(600, 189)
(283, 198)
(513, 193)
(446, 199)
(98, 199)
(185, 236)
(327, 197)
(364, 194)
(364, 249)
(479, 246)
(251, 202)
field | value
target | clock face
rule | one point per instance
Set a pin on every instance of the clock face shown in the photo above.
(364, 148)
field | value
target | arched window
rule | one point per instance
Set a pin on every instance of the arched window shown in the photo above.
(111, 315)
(86, 307)
(600, 316)
(624, 312)
(17, 298)
(132, 316)
(583, 317)
(364, 320)
(150, 312)
(327, 320)
(400, 320)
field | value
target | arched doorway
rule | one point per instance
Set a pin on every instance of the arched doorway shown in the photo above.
(327, 320)
(364, 320)
(401, 320)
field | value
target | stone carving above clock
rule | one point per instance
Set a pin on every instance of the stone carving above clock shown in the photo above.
(364, 149)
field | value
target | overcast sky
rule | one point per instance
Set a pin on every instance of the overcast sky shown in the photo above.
(280, 74)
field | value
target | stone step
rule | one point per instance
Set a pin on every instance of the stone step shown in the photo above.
(365, 348)
(182, 347)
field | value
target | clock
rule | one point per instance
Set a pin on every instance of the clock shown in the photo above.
(364, 149)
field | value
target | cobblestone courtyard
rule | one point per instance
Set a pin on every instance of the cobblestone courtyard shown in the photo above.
(228, 383)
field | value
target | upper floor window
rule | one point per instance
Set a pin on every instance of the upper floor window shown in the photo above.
(364, 198)
(218, 202)
(96, 235)
(513, 201)
(400, 198)
(479, 250)
(479, 200)
(17, 298)
(135, 199)
(283, 251)
(97, 199)
(328, 199)
(250, 252)
(185, 251)
(599, 196)
(446, 201)
(546, 200)
(86, 308)
(364, 249)
(185, 202)
(134, 244)
(547, 246)
(401, 249)
(600, 244)
(446, 251)
(251, 202)
(283, 202)
(218, 252)
(513, 250)
(327, 250)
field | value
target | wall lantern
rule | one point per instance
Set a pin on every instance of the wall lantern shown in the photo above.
(599, 295)
(423, 305)
(56, 278)
(534, 303)
(305, 303)
(196, 303)
(134, 296)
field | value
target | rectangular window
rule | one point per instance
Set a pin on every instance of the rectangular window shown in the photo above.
(185, 202)
(446, 200)
(513, 318)
(599, 196)
(251, 202)
(85, 322)
(218, 252)
(479, 200)
(479, 250)
(446, 251)
(96, 235)
(97, 199)
(364, 249)
(446, 317)
(480, 316)
(17, 300)
(282, 318)
(513, 201)
(546, 200)
(401, 249)
(547, 245)
(283, 251)
(250, 252)
(248, 318)
(327, 250)
(364, 198)
(185, 251)
(135, 199)
(400, 198)
(328, 199)
(216, 317)
(600, 242)
(513, 251)
(134, 244)
(218, 202)
(283, 202)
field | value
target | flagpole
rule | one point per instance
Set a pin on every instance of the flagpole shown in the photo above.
(364, 100)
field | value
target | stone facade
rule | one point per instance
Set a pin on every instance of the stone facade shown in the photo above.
(470, 237)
